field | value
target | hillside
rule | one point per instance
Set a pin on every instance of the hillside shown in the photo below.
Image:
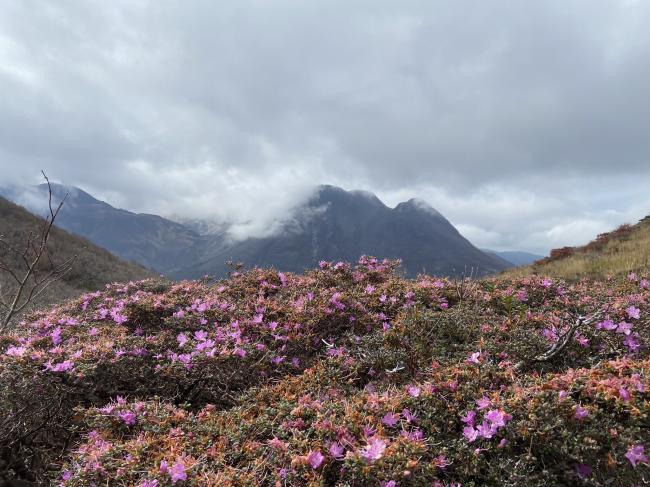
(341, 376)
(93, 269)
(624, 250)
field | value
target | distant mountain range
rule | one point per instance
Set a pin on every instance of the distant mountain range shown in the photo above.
(333, 224)
(515, 257)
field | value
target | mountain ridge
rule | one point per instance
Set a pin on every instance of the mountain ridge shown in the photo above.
(332, 224)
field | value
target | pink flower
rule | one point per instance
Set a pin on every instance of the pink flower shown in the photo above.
(625, 328)
(336, 450)
(315, 459)
(635, 454)
(483, 403)
(182, 339)
(469, 418)
(441, 462)
(129, 417)
(413, 391)
(370, 289)
(408, 415)
(631, 342)
(390, 483)
(60, 367)
(16, 351)
(149, 483)
(497, 418)
(606, 325)
(581, 413)
(164, 468)
(633, 312)
(390, 419)
(474, 358)
(624, 394)
(470, 433)
(177, 472)
(374, 450)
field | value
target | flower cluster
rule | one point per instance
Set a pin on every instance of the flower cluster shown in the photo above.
(347, 374)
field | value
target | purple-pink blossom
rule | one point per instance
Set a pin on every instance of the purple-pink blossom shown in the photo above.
(315, 459)
(177, 472)
(374, 450)
(636, 454)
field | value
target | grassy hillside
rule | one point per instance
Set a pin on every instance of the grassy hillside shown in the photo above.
(342, 376)
(93, 269)
(624, 250)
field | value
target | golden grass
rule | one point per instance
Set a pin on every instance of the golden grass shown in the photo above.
(622, 255)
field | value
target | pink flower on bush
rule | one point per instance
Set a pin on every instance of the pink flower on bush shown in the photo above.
(16, 351)
(470, 433)
(633, 312)
(636, 454)
(390, 419)
(581, 413)
(60, 367)
(129, 417)
(177, 472)
(181, 339)
(336, 450)
(374, 450)
(315, 459)
(483, 403)
(474, 358)
(606, 325)
(414, 391)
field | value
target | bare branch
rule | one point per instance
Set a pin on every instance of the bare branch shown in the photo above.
(561, 342)
(34, 249)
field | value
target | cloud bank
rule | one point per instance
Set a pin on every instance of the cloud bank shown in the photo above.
(524, 123)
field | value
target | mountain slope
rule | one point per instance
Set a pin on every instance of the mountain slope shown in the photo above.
(93, 269)
(150, 240)
(342, 225)
(624, 250)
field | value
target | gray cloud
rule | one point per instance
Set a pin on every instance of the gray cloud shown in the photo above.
(525, 123)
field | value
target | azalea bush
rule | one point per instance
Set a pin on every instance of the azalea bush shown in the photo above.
(344, 375)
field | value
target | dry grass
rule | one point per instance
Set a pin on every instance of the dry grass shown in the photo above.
(630, 253)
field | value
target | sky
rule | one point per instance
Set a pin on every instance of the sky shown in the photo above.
(527, 124)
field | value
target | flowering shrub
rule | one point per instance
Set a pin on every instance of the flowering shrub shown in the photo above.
(346, 375)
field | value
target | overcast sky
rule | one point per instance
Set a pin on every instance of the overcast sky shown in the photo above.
(526, 123)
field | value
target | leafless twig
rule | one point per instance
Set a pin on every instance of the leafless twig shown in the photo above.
(561, 342)
(29, 281)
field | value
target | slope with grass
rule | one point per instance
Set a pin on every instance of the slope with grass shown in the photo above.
(93, 269)
(624, 250)
(341, 376)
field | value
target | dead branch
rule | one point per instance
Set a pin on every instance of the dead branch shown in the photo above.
(561, 342)
(30, 282)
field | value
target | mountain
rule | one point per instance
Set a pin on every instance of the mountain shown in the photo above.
(342, 225)
(153, 241)
(333, 224)
(515, 257)
(93, 269)
(621, 251)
